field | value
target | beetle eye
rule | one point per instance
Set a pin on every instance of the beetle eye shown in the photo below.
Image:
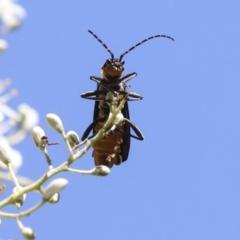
(123, 62)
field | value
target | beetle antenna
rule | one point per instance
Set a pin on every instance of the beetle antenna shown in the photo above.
(145, 40)
(104, 45)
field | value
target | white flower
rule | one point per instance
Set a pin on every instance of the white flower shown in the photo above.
(14, 155)
(3, 45)
(5, 151)
(5, 145)
(29, 117)
(24, 120)
(11, 15)
(1, 117)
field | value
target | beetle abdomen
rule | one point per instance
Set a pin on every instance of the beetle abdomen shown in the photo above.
(107, 151)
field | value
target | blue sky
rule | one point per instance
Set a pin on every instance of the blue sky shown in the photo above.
(182, 181)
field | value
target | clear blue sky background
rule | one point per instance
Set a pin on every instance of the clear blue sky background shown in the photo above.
(182, 182)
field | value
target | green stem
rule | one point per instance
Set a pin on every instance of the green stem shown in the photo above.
(84, 172)
(37, 184)
(67, 144)
(21, 180)
(12, 174)
(22, 214)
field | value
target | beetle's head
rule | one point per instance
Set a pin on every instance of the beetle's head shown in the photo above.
(112, 69)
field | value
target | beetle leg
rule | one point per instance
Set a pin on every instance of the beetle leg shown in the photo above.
(101, 83)
(131, 96)
(88, 95)
(91, 127)
(126, 78)
(134, 128)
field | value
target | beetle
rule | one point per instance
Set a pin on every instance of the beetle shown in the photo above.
(114, 148)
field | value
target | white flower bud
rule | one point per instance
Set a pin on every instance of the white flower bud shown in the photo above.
(72, 138)
(28, 233)
(101, 170)
(118, 120)
(55, 122)
(13, 23)
(20, 200)
(3, 45)
(54, 199)
(5, 152)
(39, 137)
(54, 187)
(14, 155)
